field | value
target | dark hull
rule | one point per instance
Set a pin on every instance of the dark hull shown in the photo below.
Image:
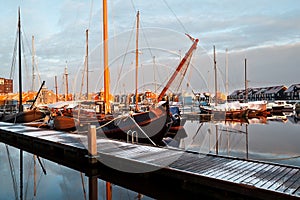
(281, 109)
(139, 127)
(146, 127)
(24, 117)
(277, 109)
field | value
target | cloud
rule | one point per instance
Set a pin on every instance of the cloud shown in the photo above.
(241, 26)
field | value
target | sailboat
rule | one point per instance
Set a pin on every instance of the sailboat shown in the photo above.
(222, 111)
(23, 116)
(148, 126)
(143, 127)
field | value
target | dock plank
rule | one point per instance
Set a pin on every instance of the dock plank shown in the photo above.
(284, 180)
(268, 179)
(241, 171)
(223, 168)
(245, 175)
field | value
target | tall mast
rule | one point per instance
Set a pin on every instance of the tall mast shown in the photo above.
(216, 82)
(154, 72)
(33, 73)
(87, 64)
(246, 82)
(226, 65)
(20, 64)
(67, 85)
(20, 102)
(137, 60)
(105, 59)
(56, 92)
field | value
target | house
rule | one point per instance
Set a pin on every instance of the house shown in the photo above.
(293, 92)
(6, 86)
(275, 93)
(258, 94)
(235, 96)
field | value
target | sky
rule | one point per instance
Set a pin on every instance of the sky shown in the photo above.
(264, 32)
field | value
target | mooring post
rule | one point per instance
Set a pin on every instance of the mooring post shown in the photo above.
(92, 144)
(93, 188)
(92, 148)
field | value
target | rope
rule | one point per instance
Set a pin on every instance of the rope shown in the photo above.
(91, 11)
(123, 61)
(142, 131)
(13, 64)
(125, 117)
(185, 30)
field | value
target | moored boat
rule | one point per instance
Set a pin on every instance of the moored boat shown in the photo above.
(24, 116)
(178, 121)
(280, 106)
(227, 110)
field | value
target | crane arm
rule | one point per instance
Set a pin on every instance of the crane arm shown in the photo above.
(179, 67)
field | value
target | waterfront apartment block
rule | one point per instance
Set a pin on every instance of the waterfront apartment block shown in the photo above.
(6, 86)
(272, 93)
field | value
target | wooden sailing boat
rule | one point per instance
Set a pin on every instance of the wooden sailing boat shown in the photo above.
(145, 127)
(223, 111)
(23, 116)
(62, 118)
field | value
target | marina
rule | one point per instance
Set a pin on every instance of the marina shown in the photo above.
(190, 172)
(128, 111)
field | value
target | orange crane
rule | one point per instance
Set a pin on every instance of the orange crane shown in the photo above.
(180, 67)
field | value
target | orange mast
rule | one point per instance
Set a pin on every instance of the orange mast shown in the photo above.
(193, 47)
(105, 59)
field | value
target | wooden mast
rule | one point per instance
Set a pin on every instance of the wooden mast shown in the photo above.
(216, 81)
(56, 92)
(226, 74)
(33, 61)
(137, 60)
(246, 82)
(105, 59)
(106, 76)
(20, 64)
(87, 64)
(67, 84)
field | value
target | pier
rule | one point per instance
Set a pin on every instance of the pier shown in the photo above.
(159, 172)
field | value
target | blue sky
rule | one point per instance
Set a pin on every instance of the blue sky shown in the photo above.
(265, 32)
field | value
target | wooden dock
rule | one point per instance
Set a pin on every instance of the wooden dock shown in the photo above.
(159, 172)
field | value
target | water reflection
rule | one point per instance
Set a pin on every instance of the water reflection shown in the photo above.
(56, 182)
(273, 139)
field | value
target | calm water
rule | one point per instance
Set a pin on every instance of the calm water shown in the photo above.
(273, 140)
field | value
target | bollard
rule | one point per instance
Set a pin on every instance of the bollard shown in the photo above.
(92, 144)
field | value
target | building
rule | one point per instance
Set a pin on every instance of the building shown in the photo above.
(264, 93)
(6, 86)
(293, 92)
